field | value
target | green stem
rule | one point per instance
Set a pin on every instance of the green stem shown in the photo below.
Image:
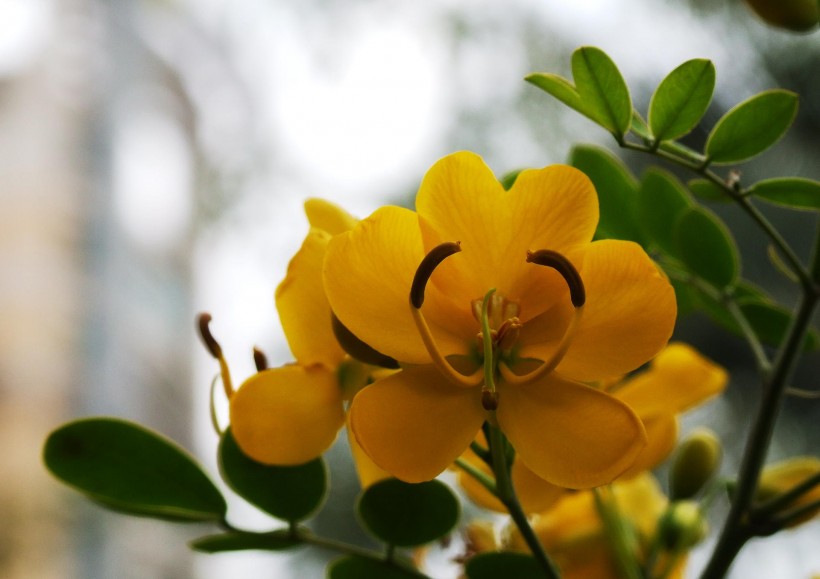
(617, 533)
(506, 494)
(480, 477)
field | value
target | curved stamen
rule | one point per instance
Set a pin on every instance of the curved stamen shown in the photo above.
(426, 268)
(259, 359)
(203, 321)
(358, 349)
(577, 294)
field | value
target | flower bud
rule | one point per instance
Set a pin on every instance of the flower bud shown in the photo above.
(796, 15)
(697, 459)
(682, 526)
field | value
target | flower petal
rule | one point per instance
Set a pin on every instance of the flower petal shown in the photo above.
(287, 415)
(368, 274)
(628, 317)
(461, 200)
(369, 473)
(677, 379)
(661, 436)
(570, 434)
(328, 216)
(303, 307)
(414, 423)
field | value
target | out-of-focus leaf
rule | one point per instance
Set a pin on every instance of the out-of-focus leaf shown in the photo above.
(705, 189)
(639, 126)
(681, 99)
(662, 201)
(752, 126)
(128, 468)
(792, 192)
(407, 515)
(291, 493)
(780, 265)
(506, 565)
(603, 91)
(617, 192)
(280, 540)
(557, 86)
(354, 567)
(508, 179)
(705, 246)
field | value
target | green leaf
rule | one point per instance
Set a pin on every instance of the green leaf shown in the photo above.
(771, 321)
(508, 179)
(131, 469)
(407, 515)
(705, 246)
(291, 493)
(557, 86)
(705, 189)
(506, 565)
(662, 201)
(681, 99)
(617, 192)
(603, 91)
(792, 192)
(354, 567)
(687, 302)
(752, 126)
(243, 541)
(639, 126)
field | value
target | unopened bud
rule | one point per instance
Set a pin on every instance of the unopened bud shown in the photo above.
(697, 459)
(682, 526)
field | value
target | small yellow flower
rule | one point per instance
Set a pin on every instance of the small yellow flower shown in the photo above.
(416, 422)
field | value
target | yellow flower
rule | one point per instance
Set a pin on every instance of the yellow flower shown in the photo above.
(416, 422)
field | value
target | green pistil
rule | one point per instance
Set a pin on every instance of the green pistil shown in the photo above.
(490, 397)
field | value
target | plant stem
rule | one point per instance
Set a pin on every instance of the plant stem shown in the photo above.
(506, 494)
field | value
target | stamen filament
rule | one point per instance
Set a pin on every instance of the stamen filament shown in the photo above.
(214, 419)
(215, 350)
(438, 358)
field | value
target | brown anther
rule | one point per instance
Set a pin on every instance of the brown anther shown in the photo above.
(426, 268)
(508, 333)
(489, 400)
(259, 359)
(562, 265)
(358, 349)
(205, 332)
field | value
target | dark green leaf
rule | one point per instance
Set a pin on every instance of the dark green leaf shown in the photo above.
(681, 99)
(686, 301)
(603, 91)
(241, 541)
(752, 126)
(662, 201)
(506, 565)
(508, 180)
(360, 568)
(789, 191)
(557, 86)
(291, 493)
(705, 246)
(771, 321)
(128, 468)
(617, 192)
(707, 190)
(407, 515)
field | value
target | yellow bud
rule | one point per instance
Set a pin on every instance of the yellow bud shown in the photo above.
(683, 526)
(795, 15)
(697, 459)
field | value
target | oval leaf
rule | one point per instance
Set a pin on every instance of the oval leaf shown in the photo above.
(507, 565)
(681, 99)
(752, 126)
(557, 86)
(242, 541)
(662, 201)
(705, 246)
(617, 192)
(789, 191)
(407, 515)
(771, 322)
(291, 493)
(129, 468)
(705, 189)
(603, 91)
(360, 568)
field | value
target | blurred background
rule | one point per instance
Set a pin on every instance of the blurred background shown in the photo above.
(154, 158)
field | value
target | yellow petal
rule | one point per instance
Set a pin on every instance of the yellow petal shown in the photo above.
(628, 316)
(570, 434)
(676, 380)
(780, 477)
(414, 423)
(328, 216)
(461, 200)
(661, 436)
(303, 307)
(369, 473)
(287, 415)
(368, 274)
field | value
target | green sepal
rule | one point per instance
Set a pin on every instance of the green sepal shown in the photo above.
(751, 127)
(794, 192)
(506, 565)
(662, 200)
(617, 192)
(408, 515)
(290, 493)
(279, 540)
(705, 246)
(127, 468)
(681, 99)
(353, 567)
